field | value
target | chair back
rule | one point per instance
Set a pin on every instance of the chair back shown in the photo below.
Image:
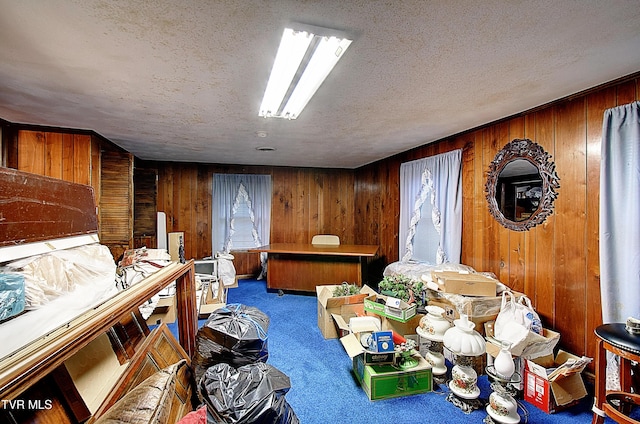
(325, 240)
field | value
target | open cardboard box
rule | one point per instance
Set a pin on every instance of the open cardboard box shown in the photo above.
(390, 307)
(537, 345)
(328, 305)
(464, 283)
(210, 302)
(552, 393)
(353, 347)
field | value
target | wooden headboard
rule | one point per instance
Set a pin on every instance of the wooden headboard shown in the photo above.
(37, 208)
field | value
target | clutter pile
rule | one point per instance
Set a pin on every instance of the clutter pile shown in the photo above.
(400, 332)
(230, 369)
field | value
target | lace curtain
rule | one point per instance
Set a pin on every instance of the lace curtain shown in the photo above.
(431, 209)
(229, 192)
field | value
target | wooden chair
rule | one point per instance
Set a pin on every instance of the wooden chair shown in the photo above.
(325, 240)
(616, 405)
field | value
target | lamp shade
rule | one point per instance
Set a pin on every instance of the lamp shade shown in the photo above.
(462, 339)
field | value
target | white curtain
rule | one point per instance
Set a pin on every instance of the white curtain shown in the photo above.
(620, 214)
(431, 209)
(229, 190)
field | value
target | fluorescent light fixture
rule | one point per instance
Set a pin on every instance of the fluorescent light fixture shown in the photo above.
(303, 61)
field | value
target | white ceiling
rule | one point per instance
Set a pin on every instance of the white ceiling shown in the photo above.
(182, 80)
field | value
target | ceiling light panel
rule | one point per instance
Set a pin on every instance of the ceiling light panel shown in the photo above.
(313, 54)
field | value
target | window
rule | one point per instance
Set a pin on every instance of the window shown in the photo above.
(431, 209)
(241, 212)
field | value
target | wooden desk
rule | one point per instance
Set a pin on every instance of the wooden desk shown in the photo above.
(293, 266)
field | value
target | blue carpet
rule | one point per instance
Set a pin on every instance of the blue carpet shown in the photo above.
(323, 388)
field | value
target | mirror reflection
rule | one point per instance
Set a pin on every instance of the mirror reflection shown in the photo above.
(521, 185)
(519, 189)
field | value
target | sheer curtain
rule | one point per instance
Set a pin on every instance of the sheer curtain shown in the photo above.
(229, 192)
(431, 209)
(620, 214)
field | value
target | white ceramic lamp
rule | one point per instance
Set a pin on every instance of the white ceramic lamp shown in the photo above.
(432, 327)
(464, 342)
(502, 407)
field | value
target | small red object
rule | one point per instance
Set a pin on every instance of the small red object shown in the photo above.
(398, 339)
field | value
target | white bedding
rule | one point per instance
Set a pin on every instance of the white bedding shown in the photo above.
(59, 286)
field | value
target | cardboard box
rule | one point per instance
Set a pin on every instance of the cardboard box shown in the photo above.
(402, 312)
(341, 320)
(164, 312)
(552, 393)
(328, 305)
(208, 301)
(467, 284)
(176, 239)
(536, 345)
(353, 347)
(403, 328)
(387, 381)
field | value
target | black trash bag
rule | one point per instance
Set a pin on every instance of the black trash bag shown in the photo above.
(235, 334)
(253, 393)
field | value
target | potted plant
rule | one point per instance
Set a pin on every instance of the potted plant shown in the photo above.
(402, 287)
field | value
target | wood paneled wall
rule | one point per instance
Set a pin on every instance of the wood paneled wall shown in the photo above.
(557, 263)
(305, 202)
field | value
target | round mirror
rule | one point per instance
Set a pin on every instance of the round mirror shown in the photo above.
(521, 185)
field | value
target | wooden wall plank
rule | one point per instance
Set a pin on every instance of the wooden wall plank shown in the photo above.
(529, 276)
(53, 153)
(570, 315)
(597, 103)
(67, 157)
(31, 152)
(517, 239)
(81, 158)
(543, 296)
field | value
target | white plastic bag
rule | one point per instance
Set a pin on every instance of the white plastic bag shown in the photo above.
(510, 324)
(226, 270)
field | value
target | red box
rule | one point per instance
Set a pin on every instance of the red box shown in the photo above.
(555, 395)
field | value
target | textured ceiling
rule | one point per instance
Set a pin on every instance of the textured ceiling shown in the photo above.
(183, 80)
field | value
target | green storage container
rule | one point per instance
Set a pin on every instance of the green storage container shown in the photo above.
(387, 381)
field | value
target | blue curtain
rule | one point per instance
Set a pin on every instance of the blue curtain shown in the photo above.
(620, 214)
(431, 209)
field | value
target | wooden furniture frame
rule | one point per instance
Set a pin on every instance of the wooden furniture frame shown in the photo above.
(40, 214)
(302, 267)
(625, 346)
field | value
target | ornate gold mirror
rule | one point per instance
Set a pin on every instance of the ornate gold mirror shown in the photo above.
(521, 185)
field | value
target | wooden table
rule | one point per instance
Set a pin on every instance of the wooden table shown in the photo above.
(294, 266)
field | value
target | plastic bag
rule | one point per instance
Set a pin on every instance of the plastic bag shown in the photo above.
(11, 295)
(235, 334)
(515, 319)
(254, 393)
(226, 269)
(530, 316)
